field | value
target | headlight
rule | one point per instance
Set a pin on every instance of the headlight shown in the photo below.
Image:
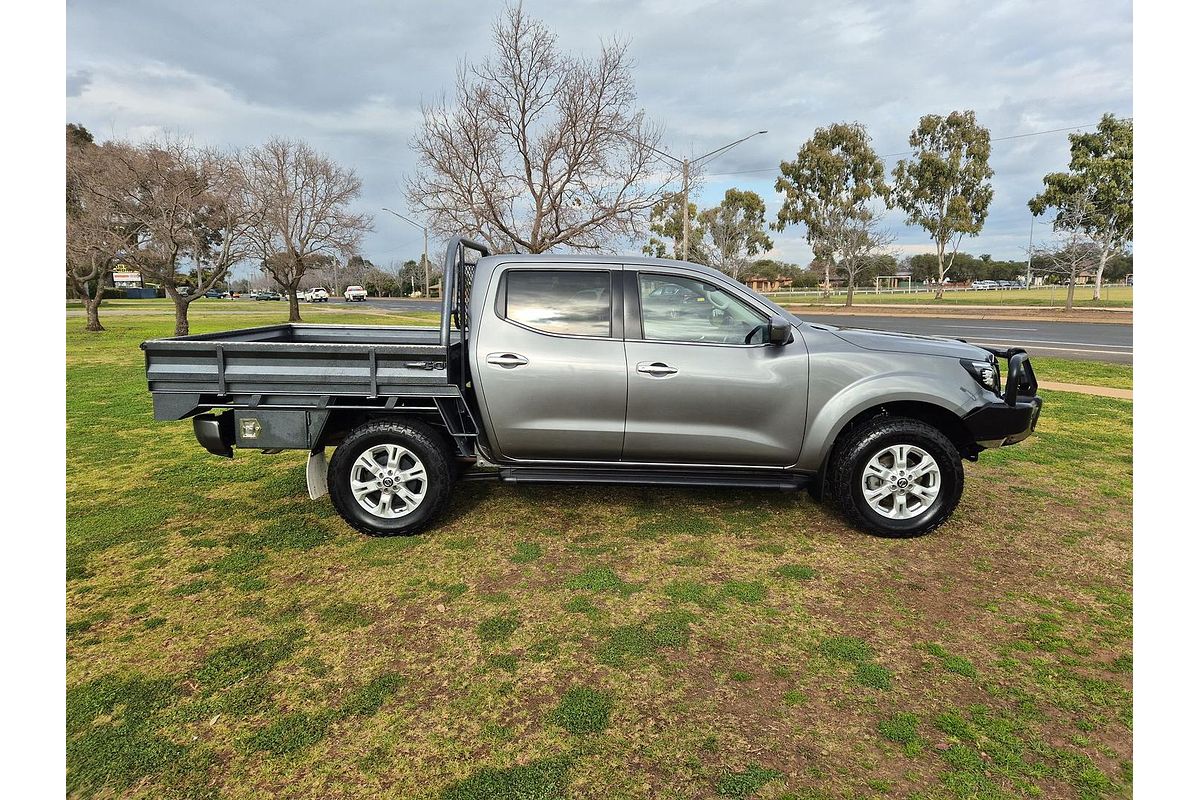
(986, 373)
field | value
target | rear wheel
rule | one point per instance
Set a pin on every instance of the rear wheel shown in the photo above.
(896, 476)
(390, 477)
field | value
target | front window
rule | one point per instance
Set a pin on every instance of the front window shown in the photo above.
(573, 302)
(679, 309)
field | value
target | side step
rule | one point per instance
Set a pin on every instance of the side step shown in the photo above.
(748, 479)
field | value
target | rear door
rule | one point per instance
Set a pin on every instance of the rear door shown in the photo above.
(550, 363)
(704, 387)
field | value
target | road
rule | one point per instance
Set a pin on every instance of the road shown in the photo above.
(1089, 341)
(1079, 340)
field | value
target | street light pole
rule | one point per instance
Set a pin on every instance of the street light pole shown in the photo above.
(685, 208)
(687, 164)
(425, 234)
(1029, 264)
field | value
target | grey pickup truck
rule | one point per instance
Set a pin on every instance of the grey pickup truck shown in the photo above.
(602, 369)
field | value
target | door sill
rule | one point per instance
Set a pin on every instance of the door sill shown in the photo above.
(750, 479)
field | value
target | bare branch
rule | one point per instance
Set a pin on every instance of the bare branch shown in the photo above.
(302, 219)
(538, 149)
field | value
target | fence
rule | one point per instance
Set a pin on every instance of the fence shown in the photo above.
(1050, 292)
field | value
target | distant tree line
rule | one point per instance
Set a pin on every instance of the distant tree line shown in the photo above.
(837, 189)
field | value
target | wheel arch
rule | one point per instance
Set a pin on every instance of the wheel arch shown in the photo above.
(340, 422)
(934, 411)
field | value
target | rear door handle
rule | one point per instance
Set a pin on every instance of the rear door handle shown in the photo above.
(507, 359)
(656, 368)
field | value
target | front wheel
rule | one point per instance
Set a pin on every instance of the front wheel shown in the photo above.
(390, 477)
(897, 477)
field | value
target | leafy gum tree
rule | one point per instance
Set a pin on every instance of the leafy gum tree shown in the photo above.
(945, 187)
(830, 188)
(666, 230)
(1097, 190)
(735, 231)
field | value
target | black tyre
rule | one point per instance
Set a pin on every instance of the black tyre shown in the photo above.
(895, 476)
(390, 477)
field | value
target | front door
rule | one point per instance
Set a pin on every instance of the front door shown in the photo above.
(704, 387)
(549, 370)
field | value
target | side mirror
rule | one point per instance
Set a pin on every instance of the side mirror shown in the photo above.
(779, 330)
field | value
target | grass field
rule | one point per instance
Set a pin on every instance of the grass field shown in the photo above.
(228, 637)
(1086, 373)
(1111, 297)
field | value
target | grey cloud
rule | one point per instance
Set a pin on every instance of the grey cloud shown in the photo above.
(78, 81)
(351, 76)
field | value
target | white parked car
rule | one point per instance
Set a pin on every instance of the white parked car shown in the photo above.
(355, 294)
(317, 294)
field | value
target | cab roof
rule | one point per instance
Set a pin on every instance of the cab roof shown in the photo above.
(584, 260)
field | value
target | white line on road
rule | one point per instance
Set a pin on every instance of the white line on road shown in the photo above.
(984, 328)
(1128, 352)
(1128, 347)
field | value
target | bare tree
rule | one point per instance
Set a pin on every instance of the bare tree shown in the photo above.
(854, 244)
(539, 148)
(1074, 249)
(302, 198)
(186, 208)
(96, 233)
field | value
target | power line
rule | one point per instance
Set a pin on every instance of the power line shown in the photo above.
(907, 152)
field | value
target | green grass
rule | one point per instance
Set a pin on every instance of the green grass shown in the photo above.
(545, 779)
(745, 783)
(599, 579)
(845, 648)
(1110, 297)
(229, 637)
(952, 663)
(1088, 373)
(901, 727)
(583, 710)
(497, 628)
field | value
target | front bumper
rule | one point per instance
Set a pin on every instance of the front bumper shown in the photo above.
(1016, 416)
(999, 424)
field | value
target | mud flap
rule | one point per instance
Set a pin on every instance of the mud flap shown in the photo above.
(316, 473)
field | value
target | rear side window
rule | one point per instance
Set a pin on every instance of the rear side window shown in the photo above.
(573, 302)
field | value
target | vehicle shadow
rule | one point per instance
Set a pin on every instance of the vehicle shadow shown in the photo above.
(469, 497)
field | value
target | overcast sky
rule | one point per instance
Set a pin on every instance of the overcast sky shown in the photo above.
(350, 77)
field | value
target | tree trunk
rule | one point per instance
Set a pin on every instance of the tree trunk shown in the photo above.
(1070, 293)
(294, 304)
(941, 287)
(93, 312)
(181, 320)
(826, 287)
(850, 293)
(1100, 274)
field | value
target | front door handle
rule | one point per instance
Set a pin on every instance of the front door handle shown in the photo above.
(507, 359)
(656, 368)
